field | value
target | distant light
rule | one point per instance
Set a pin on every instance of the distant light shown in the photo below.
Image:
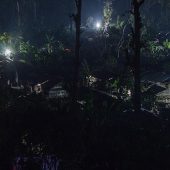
(8, 52)
(129, 93)
(98, 25)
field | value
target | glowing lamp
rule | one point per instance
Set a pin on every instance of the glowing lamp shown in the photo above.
(8, 52)
(98, 25)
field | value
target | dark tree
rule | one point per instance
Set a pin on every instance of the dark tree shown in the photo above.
(77, 19)
(137, 48)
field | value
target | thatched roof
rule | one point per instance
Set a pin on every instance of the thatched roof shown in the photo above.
(155, 77)
(155, 89)
(165, 93)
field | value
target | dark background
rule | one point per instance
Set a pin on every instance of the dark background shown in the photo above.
(49, 13)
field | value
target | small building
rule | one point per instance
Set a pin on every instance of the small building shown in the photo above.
(164, 97)
(57, 92)
(154, 89)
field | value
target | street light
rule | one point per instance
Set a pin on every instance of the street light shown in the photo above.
(8, 52)
(98, 25)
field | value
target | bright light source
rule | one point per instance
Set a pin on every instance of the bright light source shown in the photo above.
(98, 25)
(129, 93)
(8, 52)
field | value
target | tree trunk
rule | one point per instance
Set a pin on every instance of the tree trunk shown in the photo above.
(137, 48)
(77, 19)
(19, 14)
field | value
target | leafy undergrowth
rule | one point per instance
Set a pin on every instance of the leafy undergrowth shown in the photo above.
(83, 141)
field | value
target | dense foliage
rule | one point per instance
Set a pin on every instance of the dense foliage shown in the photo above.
(102, 131)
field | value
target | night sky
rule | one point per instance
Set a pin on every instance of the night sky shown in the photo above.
(50, 13)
